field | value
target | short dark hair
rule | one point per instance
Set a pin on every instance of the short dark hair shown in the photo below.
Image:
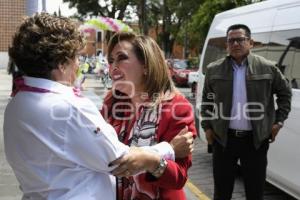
(239, 26)
(44, 41)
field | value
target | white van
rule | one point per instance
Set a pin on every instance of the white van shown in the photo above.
(275, 26)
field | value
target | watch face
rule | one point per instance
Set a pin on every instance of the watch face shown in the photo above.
(163, 162)
(161, 168)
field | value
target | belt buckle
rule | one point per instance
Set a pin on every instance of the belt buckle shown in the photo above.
(239, 134)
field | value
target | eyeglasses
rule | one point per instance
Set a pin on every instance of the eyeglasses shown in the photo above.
(239, 40)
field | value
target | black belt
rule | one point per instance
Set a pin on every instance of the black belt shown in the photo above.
(239, 133)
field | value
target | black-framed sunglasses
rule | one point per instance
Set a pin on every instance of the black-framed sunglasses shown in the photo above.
(239, 40)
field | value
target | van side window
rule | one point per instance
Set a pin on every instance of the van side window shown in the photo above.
(215, 50)
(296, 70)
(261, 41)
(285, 50)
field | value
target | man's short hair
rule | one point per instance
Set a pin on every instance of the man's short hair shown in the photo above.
(239, 26)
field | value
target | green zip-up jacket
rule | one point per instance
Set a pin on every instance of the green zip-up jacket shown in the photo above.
(263, 80)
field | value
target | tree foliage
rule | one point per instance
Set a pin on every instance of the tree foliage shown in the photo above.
(109, 8)
(184, 21)
(174, 15)
(199, 25)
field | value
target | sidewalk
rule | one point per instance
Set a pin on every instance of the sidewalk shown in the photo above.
(9, 188)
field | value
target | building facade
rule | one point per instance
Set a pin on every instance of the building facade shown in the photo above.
(11, 14)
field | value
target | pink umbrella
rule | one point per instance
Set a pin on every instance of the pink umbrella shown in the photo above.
(107, 24)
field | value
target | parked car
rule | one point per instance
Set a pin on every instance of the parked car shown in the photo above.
(179, 70)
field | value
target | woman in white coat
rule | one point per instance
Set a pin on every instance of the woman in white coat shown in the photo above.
(56, 141)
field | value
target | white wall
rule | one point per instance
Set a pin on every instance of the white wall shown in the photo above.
(3, 60)
(32, 6)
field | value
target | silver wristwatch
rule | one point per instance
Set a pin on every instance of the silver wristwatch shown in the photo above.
(160, 168)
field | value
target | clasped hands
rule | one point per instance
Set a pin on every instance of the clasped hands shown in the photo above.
(139, 160)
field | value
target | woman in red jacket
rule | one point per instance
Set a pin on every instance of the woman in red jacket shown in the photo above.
(145, 108)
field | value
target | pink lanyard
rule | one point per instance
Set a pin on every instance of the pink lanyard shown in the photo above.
(21, 86)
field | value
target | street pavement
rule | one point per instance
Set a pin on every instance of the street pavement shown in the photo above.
(8, 185)
(9, 188)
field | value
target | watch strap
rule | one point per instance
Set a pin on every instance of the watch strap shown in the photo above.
(160, 168)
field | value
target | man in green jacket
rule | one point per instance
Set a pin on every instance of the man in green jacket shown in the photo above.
(239, 116)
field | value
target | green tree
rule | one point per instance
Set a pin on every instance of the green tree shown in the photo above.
(109, 8)
(184, 21)
(117, 9)
(175, 15)
(169, 15)
(201, 20)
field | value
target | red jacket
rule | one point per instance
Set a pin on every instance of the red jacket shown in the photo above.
(172, 116)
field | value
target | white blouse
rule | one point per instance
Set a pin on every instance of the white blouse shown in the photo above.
(59, 146)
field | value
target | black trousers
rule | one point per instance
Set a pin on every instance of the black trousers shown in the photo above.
(253, 164)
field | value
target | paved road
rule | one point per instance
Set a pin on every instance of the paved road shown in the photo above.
(201, 176)
(8, 185)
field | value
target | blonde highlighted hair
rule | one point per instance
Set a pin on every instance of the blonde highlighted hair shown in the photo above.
(158, 83)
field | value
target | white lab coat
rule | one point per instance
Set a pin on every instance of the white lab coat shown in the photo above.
(59, 146)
